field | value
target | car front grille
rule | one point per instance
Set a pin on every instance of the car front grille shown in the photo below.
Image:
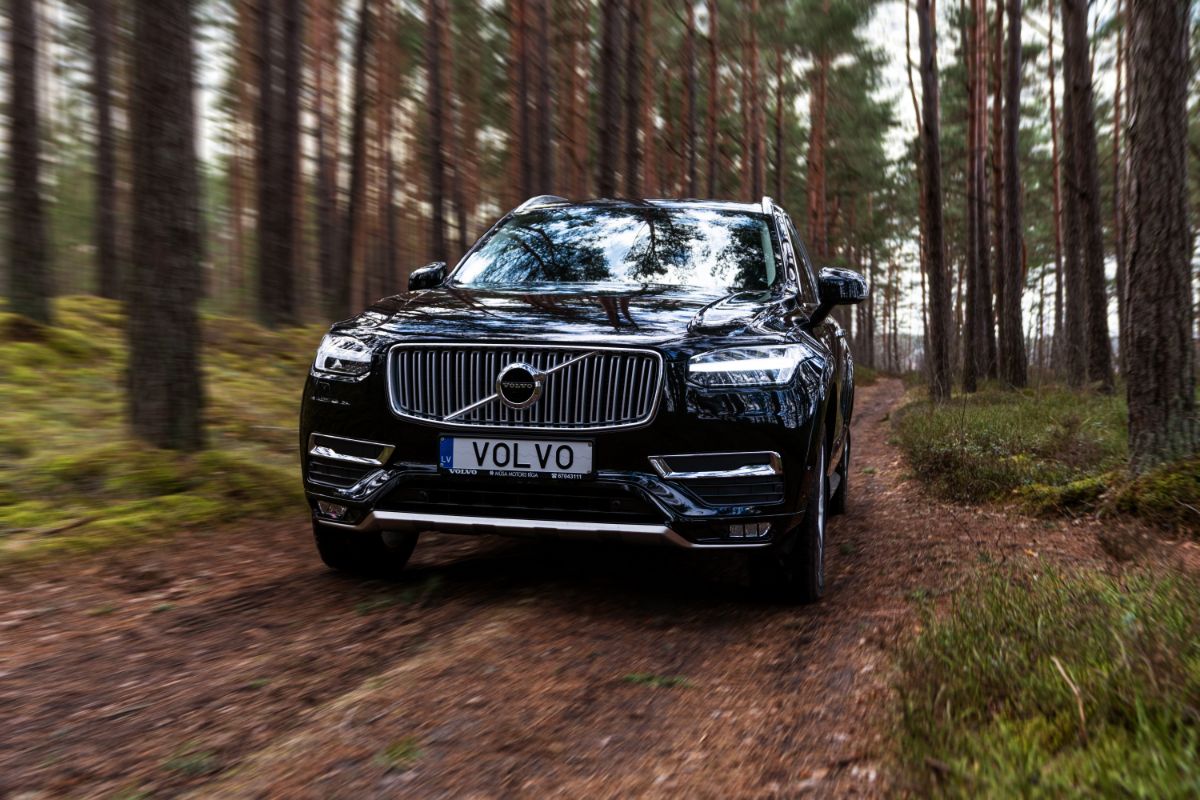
(585, 388)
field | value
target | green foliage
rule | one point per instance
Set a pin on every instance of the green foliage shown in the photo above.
(1051, 452)
(992, 444)
(1043, 685)
(71, 478)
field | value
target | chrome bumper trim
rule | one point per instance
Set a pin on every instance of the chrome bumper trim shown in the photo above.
(771, 466)
(325, 446)
(565, 529)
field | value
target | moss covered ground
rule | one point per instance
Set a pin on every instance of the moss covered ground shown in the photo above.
(71, 476)
(1047, 451)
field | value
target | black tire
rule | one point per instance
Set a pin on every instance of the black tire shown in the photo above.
(793, 571)
(837, 501)
(372, 554)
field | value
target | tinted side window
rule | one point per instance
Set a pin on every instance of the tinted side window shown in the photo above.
(808, 279)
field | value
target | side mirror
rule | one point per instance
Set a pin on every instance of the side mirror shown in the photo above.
(838, 287)
(429, 276)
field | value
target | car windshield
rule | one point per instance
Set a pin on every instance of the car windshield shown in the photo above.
(626, 246)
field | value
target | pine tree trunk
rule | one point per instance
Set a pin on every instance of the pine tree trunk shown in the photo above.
(1083, 189)
(353, 268)
(545, 102)
(28, 256)
(633, 101)
(1014, 363)
(1074, 312)
(1058, 348)
(714, 92)
(818, 223)
(166, 397)
(525, 133)
(610, 98)
(327, 207)
(971, 326)
(999, 259)
(436, 101)
(108, 283)
(689, 105)
(780, 162)
(1118, 217)
(938, 352)
(1161, 387)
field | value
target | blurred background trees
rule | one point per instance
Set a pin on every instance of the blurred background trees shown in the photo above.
(342, 143)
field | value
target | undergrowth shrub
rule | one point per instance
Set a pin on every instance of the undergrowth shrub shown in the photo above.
(1047, 685)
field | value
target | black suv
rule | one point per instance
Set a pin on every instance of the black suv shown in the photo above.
(651, 372)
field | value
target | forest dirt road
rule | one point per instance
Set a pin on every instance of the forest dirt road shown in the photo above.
(231, 664)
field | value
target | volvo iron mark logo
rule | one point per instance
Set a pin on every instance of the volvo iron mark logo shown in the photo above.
(520, 385)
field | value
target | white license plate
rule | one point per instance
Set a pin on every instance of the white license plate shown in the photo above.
(463, 455)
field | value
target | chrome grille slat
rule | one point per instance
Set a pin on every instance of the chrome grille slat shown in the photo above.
(609, 388)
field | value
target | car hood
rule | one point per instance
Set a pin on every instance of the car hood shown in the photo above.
(647, 315)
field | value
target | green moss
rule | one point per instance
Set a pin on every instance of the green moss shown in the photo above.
(1168, 495)
(68, 458)
(985, 710)
(1076, 496)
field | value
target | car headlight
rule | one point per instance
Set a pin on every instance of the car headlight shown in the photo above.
(773, 365)
(343, 355)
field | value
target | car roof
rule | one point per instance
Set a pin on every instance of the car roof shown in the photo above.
(551, 201)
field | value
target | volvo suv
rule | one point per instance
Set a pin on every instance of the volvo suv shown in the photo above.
(643, 372)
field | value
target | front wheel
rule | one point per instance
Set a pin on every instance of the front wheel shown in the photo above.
(373, 554)
(794, 569)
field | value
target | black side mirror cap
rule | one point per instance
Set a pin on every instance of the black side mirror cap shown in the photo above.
(429, 276)
(838, 287)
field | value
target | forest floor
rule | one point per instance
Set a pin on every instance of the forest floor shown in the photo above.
(232, 664)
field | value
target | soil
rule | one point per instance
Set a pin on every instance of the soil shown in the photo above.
(231, 663)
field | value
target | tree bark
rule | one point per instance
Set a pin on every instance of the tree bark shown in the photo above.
(1083, 191)
(713, 97)
(1057, 350)
(972, 328)
(938, 352)
(997, 186)
(436, 101)
(1118, 216)
(545, 102)
(1013, 357)
(1074, 312)
(633, 101)
(689, 105)
(1161, 387)
(279, 150)
(610, 98)
(28, 256)
(353, 268)
(166, 397)
(107, 268)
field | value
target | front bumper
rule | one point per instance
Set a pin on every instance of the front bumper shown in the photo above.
(631, 498)
(624, 533)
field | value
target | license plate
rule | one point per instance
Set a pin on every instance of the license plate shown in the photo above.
(462, 455)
